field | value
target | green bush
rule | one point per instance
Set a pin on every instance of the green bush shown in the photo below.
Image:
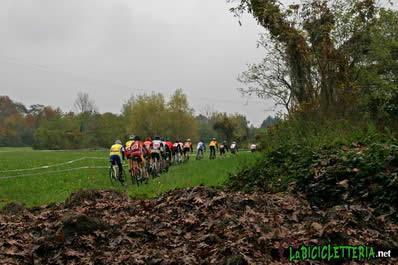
(330, 164)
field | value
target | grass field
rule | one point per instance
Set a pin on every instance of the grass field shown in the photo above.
(38, 184)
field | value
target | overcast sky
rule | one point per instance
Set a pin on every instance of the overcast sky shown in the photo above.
(52, 49)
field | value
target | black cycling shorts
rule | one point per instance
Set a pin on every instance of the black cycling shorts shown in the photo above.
(155, 155)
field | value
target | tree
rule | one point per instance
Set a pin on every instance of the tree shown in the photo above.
(150, 115)
(269, 79)
(16, 127)
(231, 127)
(58, 131)
(181, 121)
(178, 102)
(83, 104)
(321, 43)
(145, 115)
(377, 74)
(269, 121)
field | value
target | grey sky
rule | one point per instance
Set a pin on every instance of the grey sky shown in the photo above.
(52, 49)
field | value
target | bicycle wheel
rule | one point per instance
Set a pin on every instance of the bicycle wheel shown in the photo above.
(112, 175)
(154, 167)
(122, 177)
(167, 164)
(133, 175)
(138, 176)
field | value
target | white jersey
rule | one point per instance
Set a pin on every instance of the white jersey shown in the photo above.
(163, 147)
(253, 147)
(200, 146)
(156, 146)
(233, 146)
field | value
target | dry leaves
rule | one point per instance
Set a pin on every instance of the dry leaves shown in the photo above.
(188, 226)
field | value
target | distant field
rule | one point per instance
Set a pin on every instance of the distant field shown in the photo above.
(16, 149)
(34, 182)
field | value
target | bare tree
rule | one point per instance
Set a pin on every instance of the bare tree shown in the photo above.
(269, 79)
(207, 111)
(84, 104)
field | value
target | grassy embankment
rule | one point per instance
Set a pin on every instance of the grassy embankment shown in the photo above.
(331, 162)
(55, 187)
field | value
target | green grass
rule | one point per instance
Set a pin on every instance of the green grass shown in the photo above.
(15, 149)
(55, 187)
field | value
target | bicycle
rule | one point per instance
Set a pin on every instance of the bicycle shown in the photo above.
(114, 175)
(199, 155)
(176, 159)
(212, 155)
(168, 155)
(138, 175)
(154, 168)
(186, 158)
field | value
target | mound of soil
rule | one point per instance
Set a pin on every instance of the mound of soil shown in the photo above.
(187, 226)
(85, 196)
(13, 208)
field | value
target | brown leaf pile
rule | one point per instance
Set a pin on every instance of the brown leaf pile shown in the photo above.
(187, 226)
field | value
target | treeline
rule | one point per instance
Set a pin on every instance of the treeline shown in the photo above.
(46, 127)
(328, 59)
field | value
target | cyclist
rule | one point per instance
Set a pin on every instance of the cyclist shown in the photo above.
(116, 154)
(165, 154)
(181, 149)
(187, 147)
(127, 152)
(234, 148)
(147, 153)
(253, 148)
(157, 147)
(137, 154)
(148, 143)
(200, 148)
(213, 146)
(177, 151)
(223, 147)
(169, 149)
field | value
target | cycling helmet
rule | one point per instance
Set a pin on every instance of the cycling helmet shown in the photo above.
(162, 139)
(131, 137)
(157, 138)
(148, 139)
(189, 139)
(168, 139)
(214, 139)
(137, 138)
(118, 142)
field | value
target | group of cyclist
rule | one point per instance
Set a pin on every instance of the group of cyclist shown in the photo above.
(161, 152)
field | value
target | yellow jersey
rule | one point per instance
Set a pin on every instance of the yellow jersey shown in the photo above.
(128, 144)
(213, 143)
(116, 149)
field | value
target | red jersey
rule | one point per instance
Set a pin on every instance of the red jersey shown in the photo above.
(170, 145)
(148, 146)
(136, 148)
